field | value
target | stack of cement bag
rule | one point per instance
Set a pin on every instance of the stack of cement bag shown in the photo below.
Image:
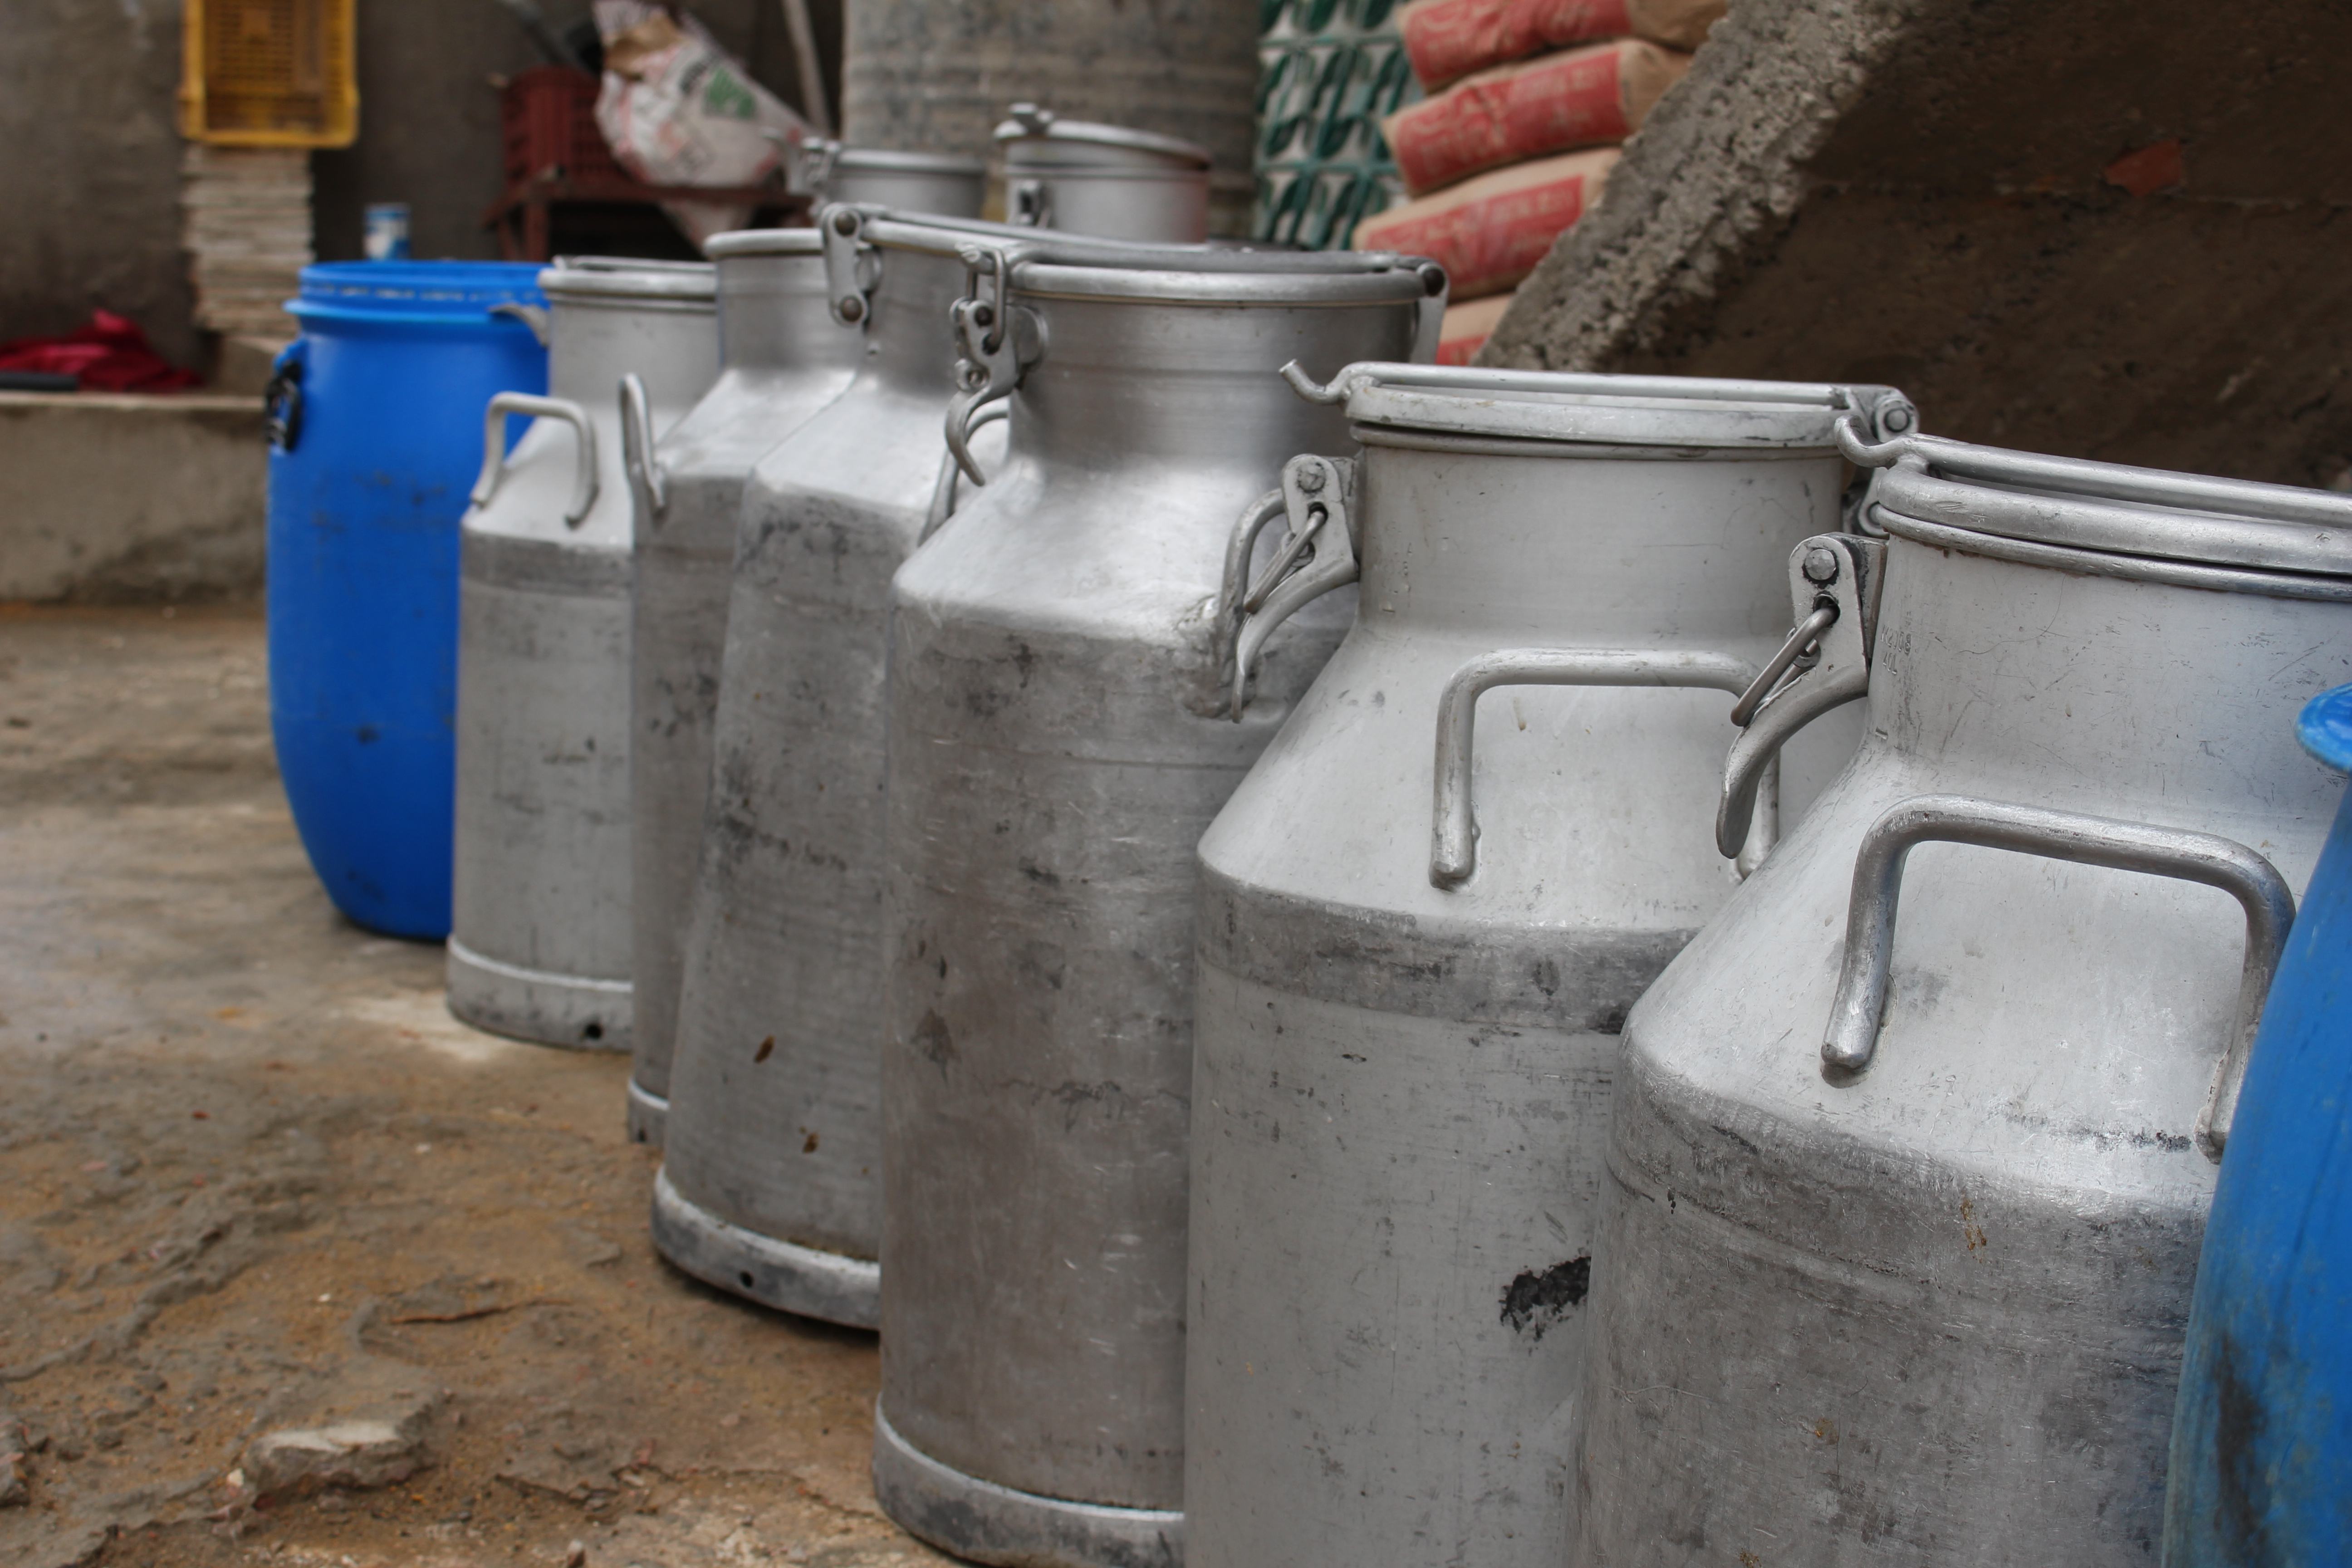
(1528, 102)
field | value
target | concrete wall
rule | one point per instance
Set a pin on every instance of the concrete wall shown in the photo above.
(430, 114)
(113, 499)
(938, 75)
(1918, 191)
(90, 157)
(90, 169)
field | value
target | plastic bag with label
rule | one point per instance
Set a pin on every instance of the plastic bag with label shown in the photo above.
(678, 110)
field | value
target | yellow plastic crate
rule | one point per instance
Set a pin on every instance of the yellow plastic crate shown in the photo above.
(270, 73)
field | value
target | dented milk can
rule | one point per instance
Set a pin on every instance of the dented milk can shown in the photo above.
(770, 1186)
(783, 359)
(773, 1184)
(540, 944)
(1406, 1031)
(1104, 180)
(1058, 741)
(1905, 1198)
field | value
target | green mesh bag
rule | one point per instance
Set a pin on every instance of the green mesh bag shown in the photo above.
(1327, 71)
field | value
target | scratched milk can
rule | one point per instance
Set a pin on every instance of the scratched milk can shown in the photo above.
(539, 941)
(1405, 1032)
(770, 1186)
(783, 359)
(1105, 180)
(1904, 1210)
(1058, 741)
(773, 1184)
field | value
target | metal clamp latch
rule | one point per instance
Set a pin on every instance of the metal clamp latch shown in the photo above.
(1317, 554)
(852, 267)
(1851, 1038)
(494, 447)
(1834, 587)
(997, 341)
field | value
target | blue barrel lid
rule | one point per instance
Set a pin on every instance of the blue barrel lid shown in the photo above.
(2324, 726)
(412, 290)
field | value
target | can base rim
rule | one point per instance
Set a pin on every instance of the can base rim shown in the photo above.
(648, 1116)
(985, 1523)
(544, 1008)
(780, 1274)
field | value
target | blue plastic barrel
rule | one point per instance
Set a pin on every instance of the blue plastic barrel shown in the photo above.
(375, 418)
(2262, 1436)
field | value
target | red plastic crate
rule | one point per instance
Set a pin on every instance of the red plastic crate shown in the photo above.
(549, 113)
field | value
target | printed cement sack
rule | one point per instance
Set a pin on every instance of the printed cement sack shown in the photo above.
(1579, 98)
(1445, 40)
(677, 110)
(1489, 231)
(1467, 327)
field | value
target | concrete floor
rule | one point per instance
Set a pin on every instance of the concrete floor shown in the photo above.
(256, 1185)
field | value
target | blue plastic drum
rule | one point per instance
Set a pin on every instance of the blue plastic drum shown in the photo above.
(2262, 1436)
(375, 435)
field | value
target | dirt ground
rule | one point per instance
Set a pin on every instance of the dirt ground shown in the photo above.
(261, 1199)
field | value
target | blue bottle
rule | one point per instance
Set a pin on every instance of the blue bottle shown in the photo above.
(2261, 1434)
(375, 422)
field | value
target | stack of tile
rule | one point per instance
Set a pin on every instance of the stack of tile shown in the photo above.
(247, 225)
(1528, 102)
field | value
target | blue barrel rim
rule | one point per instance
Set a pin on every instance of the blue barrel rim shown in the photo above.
(402, 289)
(2325, 728)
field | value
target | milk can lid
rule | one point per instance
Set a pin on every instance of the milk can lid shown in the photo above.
(886, 161)
(629, 277)
(1206, 276)
(1606, 410)
(2110, 518)
(764, 242)
(1035, 136)
(2324, 726)
(1044, 261)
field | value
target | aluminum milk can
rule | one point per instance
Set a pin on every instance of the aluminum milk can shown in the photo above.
(939, 184)
(1104, 180)
(1904, 1210)
(1058, 741)
(539, 941)
(784, 359)
(1405, 1032)
(770, 1186)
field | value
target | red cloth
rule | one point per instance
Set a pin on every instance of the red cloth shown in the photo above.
(110, 355)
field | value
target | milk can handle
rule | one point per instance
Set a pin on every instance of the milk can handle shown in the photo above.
(943, 488)
(1851, 1038)
(494, 447)
(648, 484)
(532, 316)
(281, 400)
(1454, 829)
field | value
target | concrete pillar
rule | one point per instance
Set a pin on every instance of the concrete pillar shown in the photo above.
(938, 75)
(2109, 230)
